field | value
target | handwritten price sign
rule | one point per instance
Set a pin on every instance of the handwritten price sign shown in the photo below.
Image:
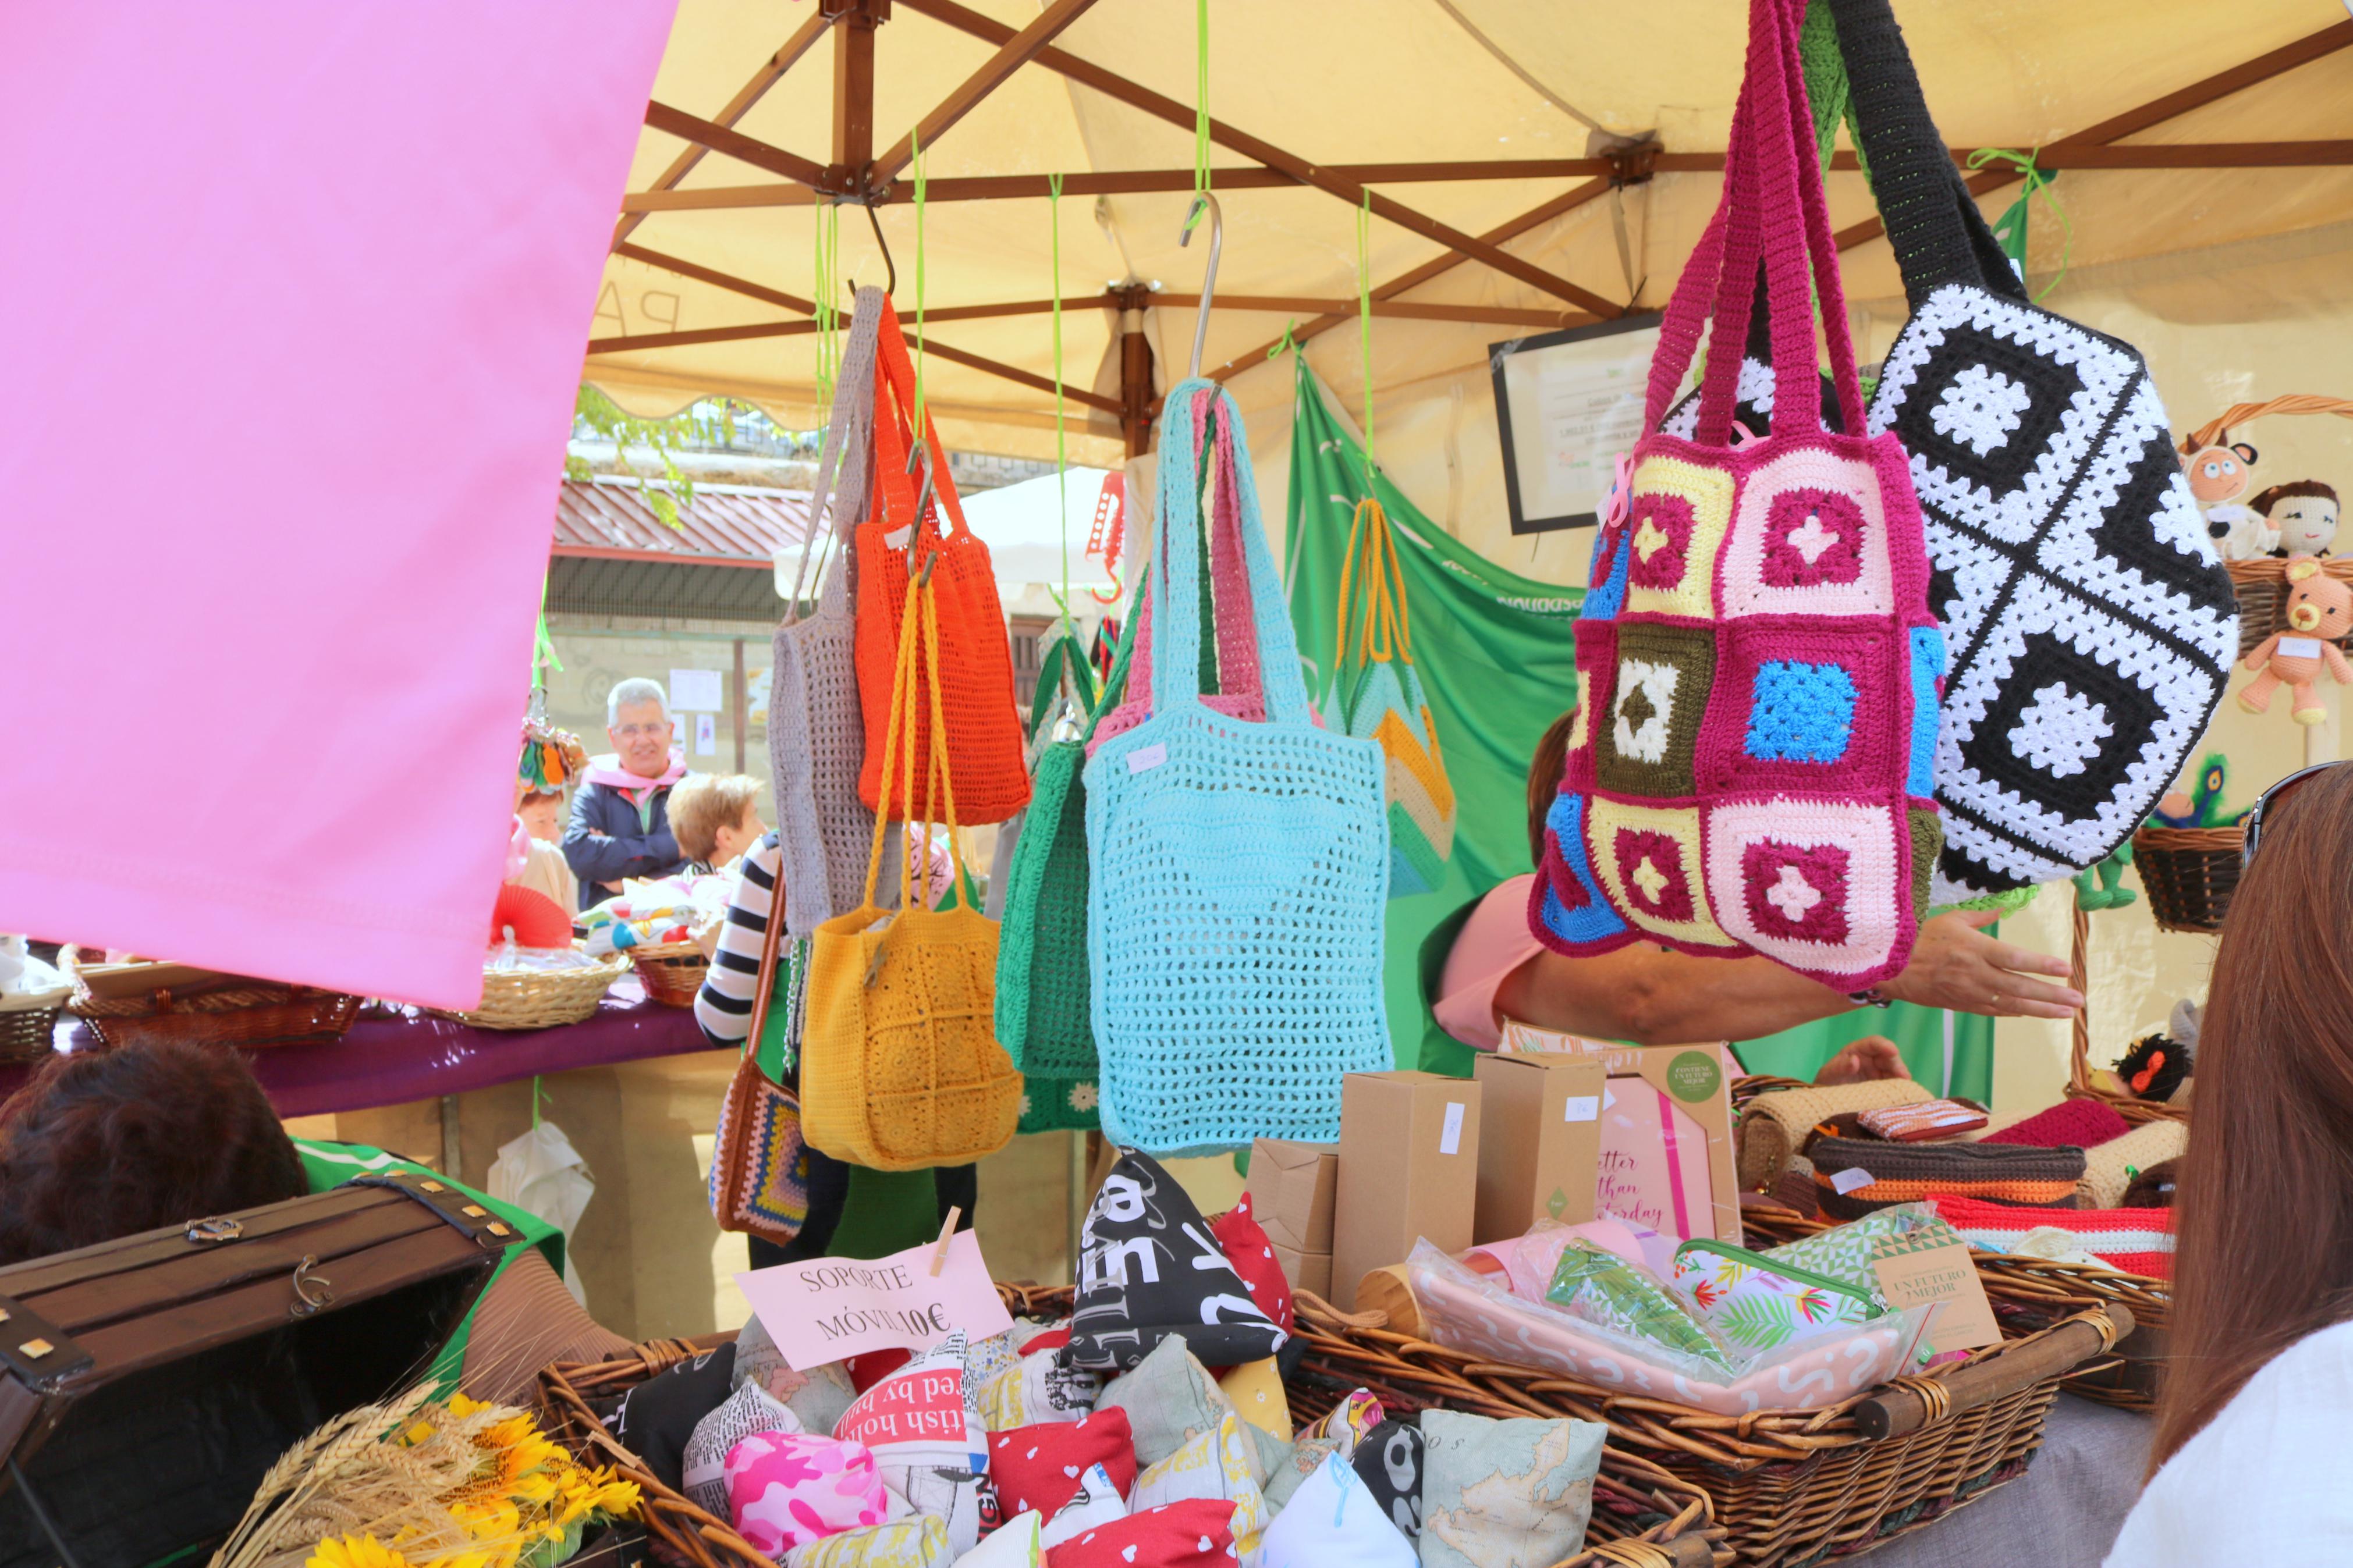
(824, 1308)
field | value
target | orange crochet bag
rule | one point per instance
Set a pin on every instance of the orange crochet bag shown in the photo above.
(975, 662)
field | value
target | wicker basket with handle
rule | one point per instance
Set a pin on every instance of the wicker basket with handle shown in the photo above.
(139, 1002)
(2259, 584)
(672, 972)
(2190, 872)
(539, 998)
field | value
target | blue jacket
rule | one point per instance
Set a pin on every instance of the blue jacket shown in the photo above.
(628, 848)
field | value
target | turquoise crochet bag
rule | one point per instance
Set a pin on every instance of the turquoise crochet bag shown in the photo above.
(1238, 870)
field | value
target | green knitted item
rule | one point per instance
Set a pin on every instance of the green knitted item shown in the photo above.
(1044, 1018)
(1826, 84)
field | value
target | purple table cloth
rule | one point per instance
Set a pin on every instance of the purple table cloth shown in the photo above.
(392, 1058)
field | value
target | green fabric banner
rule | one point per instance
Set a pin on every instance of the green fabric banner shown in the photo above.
(1498, 664)
(1495, 656)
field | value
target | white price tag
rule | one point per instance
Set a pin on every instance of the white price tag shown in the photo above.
(899, 538)
(1581, 1108)
(2299, 648)
(1854, 1176)
(1144, 757)
(1449, 1139)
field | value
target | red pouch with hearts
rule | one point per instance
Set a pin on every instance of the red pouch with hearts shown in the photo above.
(1038, 1467)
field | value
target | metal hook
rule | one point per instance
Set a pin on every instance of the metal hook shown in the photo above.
(920, 452)
(891, 287)
(1209, 281)
(305, 1283)
(924, 580)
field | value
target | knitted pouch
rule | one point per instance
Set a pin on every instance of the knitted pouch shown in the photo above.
(2137, 1241)
(759, 1162)
(1774, 1127)
(2086, 1123)
(983, 734)
(1924, 1123)
(899, 1067)
(816, 736)
(1854, 1176)
(2109, 1169)
(2089, 624)
(1044, 1019)
(1374, 694)
(1749, 768)
(1237, 871)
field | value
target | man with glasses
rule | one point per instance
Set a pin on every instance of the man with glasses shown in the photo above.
(620, 818)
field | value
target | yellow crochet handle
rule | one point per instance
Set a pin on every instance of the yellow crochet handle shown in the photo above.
(1386, 632)
(919, 629)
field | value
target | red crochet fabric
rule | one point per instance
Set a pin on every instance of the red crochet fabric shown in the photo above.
(2138, 1241)
(2084, 1123)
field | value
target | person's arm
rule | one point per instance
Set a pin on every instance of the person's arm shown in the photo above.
(724, 1006)
(1655, 996)
(599, 856)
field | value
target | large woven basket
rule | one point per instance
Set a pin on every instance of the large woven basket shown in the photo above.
(2190, 872)
(672, 972)
(29, 1032)
(540, 998)
(248, 1013)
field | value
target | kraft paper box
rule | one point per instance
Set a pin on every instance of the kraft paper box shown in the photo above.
(1408, 1171)
(1292, 1188)
(1667, 1156)
(1308, 1271)
(1539, 1141)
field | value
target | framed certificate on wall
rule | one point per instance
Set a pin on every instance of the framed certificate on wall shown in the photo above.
(1567, 403)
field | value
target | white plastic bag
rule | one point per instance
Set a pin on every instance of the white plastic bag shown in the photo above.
(542, 1173)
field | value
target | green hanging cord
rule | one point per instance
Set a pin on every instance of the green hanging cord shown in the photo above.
(1061, 446)
(535, 1092)
(2009, 230)
(915, 142)
(826, 237)
(1365, 319)
(1200, 102)
(1289, 340)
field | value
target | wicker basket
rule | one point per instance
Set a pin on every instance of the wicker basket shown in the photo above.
(2190, 872)
(540, 998)
(2261, 587)
(201, 1008)
(672, 972)
(28, 1034)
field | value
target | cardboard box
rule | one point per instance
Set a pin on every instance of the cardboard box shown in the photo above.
(1305, 1270)
(1539, 1141)
(1408, 1171)
(1684, 1084)
(1291, 1189)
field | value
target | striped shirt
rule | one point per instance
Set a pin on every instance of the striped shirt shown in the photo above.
(724, 1006)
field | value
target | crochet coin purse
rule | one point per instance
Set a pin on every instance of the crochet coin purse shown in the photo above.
(2089, 624)
(1749, 767)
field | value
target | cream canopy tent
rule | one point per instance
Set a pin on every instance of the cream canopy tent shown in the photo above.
(1530, 166)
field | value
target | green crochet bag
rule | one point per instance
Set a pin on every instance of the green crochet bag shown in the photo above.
(1044, 1018)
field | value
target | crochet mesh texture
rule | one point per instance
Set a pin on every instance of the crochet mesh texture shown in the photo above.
(816, 735)
(1234, 918)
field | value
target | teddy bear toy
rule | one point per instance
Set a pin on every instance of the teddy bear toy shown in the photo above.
(2302, 514)
(2318, 611)
(2218, 477)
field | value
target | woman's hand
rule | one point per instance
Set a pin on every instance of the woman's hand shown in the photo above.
(1873, 1056)
(1955, 964)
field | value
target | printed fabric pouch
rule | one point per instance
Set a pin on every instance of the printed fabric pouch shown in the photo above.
(1757, 1304)
(1266, 844)
(1044, 1015)
(920, 1541)
(901, 1069)
(1605, 1290)
(1749, 769)
(1336, 1520)
(1215, 1465)
(1853, 1176)
(1376, 694)
(1844, 1252)
(1921, 1123)
(1512, 1490)
(2089, 623)
(1150, 1271)
(817, 734)
(787, 1489)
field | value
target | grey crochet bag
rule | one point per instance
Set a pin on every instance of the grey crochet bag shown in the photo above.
(816, 736)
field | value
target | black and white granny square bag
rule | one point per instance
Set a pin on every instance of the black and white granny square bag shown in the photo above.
(2089, 625)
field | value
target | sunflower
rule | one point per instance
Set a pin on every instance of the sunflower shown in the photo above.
(356, 1552)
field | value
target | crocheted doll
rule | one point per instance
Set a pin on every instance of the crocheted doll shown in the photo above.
(2218, 478)
(2318, 611)
(2302, 514)
(2200, 805)
(2155, 1066)
(2099, 884)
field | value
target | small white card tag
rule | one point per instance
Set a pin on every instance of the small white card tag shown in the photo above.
(1854, 1176)
(1581, 1108)
(1609, 1096)
(1450, 1139)
(2299, 648)
(1144, 757)
(899, 538)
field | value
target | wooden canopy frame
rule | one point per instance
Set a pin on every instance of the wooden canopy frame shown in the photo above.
(856, 175)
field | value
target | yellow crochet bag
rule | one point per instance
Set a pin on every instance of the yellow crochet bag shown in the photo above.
(900, 1064)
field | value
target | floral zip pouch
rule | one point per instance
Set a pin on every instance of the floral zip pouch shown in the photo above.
(1757, 1303)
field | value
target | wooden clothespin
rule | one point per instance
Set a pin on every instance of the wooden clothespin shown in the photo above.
(947, 1234)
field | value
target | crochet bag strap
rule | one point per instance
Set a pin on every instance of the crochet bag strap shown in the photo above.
(1231, 608)
(847, 458)
(919, 635)
(1131, 647)
(1176, 665)
(763, 988)
(894, 419)
(1933, 222)
(1384, 630)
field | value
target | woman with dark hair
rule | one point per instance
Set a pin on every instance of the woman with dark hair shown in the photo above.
(105, 1144)
(108, 1144)
(1654, 995)
(2249, 1459)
